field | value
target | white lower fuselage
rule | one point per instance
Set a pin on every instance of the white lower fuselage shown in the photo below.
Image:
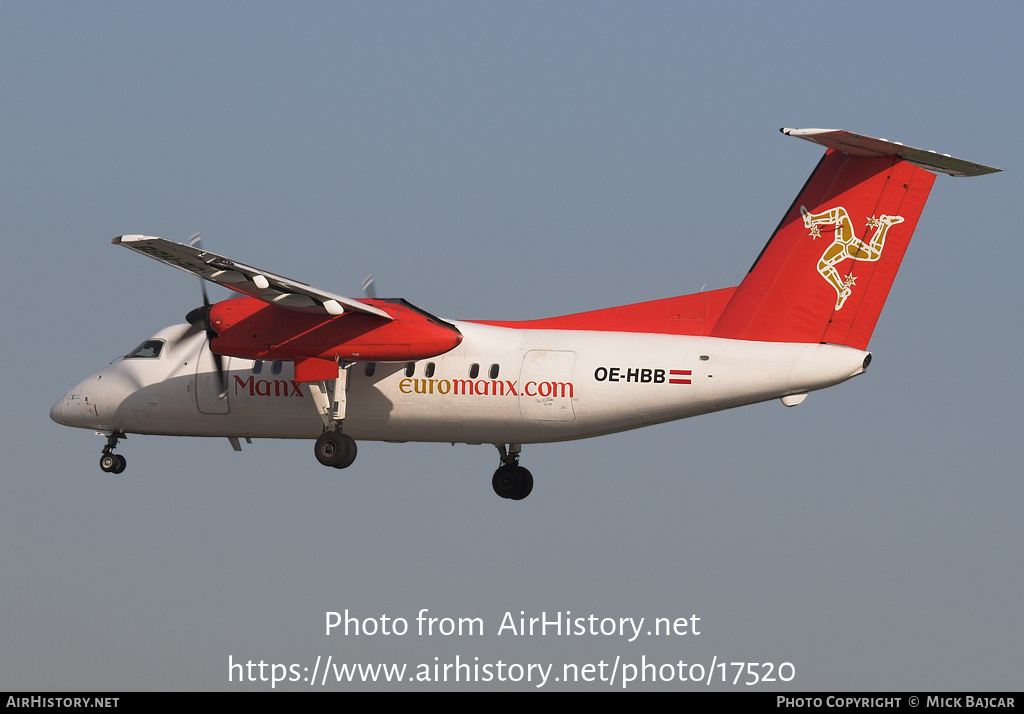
(550, 385)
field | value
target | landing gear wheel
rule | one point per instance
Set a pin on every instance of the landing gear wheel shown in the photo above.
(334, 449)
(329, 449)
(524, 483)
(113, 463)
(504, 480)
(514, 482)
(110, 462)
(350, 452)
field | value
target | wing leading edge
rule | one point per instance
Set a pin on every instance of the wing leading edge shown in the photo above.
(260, 284)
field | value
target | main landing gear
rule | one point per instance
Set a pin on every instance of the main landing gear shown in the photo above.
(335, 449)
(511, 480)
(332, 447)
(110, 462)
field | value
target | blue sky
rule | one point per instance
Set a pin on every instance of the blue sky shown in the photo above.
(504, 161)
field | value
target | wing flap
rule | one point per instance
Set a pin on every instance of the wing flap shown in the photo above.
(256, 283)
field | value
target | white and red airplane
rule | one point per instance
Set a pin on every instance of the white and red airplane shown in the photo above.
(288, 361)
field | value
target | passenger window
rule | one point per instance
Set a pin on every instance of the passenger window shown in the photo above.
(276, 367)
(257, 366)
(410, 369)
(150, 349)
(474, 370)
(370, 368)
(430, 369)
(494, 371)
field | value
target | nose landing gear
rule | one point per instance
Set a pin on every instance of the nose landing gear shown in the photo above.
(110, 462)
(511, 480)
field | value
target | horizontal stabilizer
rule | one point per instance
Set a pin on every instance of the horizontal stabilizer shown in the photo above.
(860, 145)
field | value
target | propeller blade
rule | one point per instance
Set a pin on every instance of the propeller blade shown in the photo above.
(369, 289)
(199, 319)
(222, 377)
(196, 241)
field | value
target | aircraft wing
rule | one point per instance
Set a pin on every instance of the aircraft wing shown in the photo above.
(270, 288)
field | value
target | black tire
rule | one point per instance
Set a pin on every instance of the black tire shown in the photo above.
(504, 481)
(524, 484)
(120, 465)
(349, 449)
(108, 462)
(330, 448)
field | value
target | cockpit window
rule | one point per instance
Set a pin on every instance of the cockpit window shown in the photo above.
(150, 349)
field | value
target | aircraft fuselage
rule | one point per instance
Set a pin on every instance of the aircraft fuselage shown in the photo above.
(527, 386)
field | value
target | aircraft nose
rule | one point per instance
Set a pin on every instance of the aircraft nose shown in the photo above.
(65, 411)
(57, 410)
(99, 401)
(80, 406)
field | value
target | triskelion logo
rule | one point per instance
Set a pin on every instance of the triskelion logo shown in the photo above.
(846, 245)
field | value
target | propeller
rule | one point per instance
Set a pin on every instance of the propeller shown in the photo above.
(369, 289)
(199, 319)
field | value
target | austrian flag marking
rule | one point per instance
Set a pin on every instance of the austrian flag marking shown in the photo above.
(679, 376)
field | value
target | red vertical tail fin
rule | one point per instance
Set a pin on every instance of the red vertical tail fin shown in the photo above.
(826, 271)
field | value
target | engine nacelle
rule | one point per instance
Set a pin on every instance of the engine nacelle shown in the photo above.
(252, 329)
